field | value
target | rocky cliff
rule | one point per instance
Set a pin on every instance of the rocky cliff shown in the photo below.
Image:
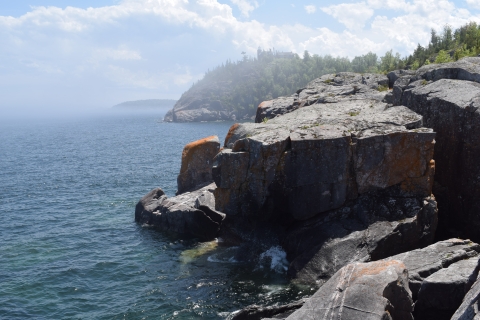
(341, 176)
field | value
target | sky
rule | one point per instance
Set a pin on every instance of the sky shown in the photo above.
(92, 54)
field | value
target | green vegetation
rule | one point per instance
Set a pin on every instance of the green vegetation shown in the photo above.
(382, 88)
(252, 80)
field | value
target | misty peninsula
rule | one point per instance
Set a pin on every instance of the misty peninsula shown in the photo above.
(145, 104)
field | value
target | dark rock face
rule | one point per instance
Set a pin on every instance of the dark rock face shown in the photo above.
(375, 290)
(190, 213)
(470, 307)
(374, 227)
(448, 98)
(331, 88)
(197, 159)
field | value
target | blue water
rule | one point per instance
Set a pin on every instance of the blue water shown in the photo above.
(69, 245)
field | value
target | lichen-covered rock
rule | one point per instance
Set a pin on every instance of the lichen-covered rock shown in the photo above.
(330, 88)
(316, 158)
(363, 291)
(448, 98)
(191, 213)
(197, 159)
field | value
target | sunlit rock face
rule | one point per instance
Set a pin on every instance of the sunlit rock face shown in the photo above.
(349, 179)
(448, 97)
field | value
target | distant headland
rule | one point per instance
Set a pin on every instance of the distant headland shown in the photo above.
(145, 104)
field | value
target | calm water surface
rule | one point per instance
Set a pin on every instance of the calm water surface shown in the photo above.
(69, 245)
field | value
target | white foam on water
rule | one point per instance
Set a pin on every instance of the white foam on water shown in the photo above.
(223, 257)
(277, 258)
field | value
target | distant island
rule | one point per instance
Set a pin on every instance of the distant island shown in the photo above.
(146, 104)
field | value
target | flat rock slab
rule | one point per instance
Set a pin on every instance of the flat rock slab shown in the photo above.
(442, 293)
(191, 213)
(422, 263)
(364, 291)
(330, 88)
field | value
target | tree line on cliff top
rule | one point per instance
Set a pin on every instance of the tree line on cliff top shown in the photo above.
(253, 80)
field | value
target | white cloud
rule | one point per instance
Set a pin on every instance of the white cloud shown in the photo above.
(352, 15)
(138, 43)
(474, 3)
(310, 9)
(245, 6)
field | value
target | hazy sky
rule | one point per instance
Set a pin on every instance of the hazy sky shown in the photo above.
(67, 54)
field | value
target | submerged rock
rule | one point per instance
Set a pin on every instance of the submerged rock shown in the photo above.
(375, 290)
(197, 158)
(191, 213)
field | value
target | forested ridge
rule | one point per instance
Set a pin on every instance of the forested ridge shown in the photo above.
(248, 82)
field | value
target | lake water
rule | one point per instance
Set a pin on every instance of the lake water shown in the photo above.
(69, 245)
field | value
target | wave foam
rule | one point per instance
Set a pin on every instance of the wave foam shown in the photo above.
(277, 258)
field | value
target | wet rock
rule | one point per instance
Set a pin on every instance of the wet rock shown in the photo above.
(255, 312)
(423, 263)
(329, 88)
(448, 98)
(442, 293)
(375, 290)
(470, 307)
(197, 159)
(188, 213)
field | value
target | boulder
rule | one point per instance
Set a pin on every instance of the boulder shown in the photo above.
(375, 290)
(330, 88)
(191, 213)
(442, 293)
(448, 98)
(197, 159)
(422, 263)
(470, 307)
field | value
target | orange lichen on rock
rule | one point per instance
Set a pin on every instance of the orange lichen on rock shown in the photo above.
(230, 133)
(374, 268)
(189, 151)
(421, 185)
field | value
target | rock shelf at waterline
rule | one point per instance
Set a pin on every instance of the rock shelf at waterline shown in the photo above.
(343, 174)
